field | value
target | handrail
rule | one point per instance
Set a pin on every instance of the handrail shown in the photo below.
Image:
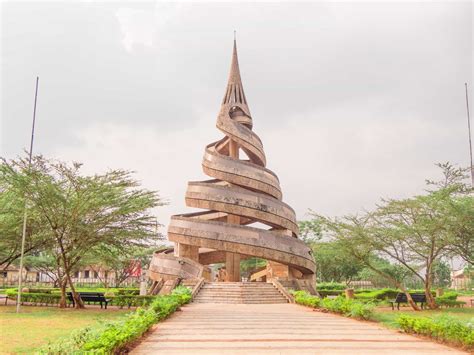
(283, 290)
(197, 287)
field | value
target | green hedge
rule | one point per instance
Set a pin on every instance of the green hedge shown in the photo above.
(41, 290)
(449, 295)
(121, 301)
(381, 294)
(347, 307)
(325, 293)
(37, 299)
(112, 291)
(364, 295)
(112, 337)
(128, 292)
(449, 299)
(131, 301)
(444, 328)
(329, 286)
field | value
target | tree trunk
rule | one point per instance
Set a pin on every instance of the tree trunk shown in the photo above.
(430, 300)
(75, 295)
(409, 299)
(63, 301)
(67, 272)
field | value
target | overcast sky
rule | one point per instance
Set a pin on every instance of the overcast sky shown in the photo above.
(353, 101)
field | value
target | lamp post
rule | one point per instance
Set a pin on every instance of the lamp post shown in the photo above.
(25, 214)
(469, 133)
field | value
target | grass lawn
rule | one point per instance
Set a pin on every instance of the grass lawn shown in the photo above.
(386, 316)
(35, 326)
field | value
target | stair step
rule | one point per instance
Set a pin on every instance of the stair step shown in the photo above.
(243, 302)
(236, 284)
(239, 296)
(239, 292)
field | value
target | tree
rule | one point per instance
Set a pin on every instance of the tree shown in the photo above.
(333, 263)
(124, 263)
(355, 236)
(396, 272)
(310, 230)
(415, 233)
(81, 212)
(48, 265)
(460, 225)
(251, 265)
(460, 209)
(441, 274)
(12, 208)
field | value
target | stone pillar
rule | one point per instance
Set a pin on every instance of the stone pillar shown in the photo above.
(277, 270)
(232, 266)
(232, 260)
(188, 251)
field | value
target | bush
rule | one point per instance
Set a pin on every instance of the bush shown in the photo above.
(110, 337)
(347, 307)
(444, 328)
(450, 303)
(449, 299)
(304, 298)
(125, 300)
(381, 294)
(330, 286)
(325, 293)
(449, 295)
(37, 299)
(128, 292)
(131, 301)
(41, 290)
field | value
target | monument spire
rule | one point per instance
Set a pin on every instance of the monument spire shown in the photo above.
(234, 93)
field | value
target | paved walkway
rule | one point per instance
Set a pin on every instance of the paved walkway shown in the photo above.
(203, 328)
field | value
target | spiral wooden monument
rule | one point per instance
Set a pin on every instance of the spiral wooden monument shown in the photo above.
(242, 192)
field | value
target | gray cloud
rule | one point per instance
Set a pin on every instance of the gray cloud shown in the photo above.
(365, 96)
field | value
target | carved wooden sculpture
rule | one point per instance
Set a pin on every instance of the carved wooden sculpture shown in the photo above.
(242, 192)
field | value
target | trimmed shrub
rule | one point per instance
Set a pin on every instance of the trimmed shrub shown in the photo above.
(41, 290)
(131, 301)
(341, 305)
(325, 293)
(330, 286)
(449, 295)
(37, 299)
(121, 301)
(128, 292)
(381, 294)
(449, 299)
(110, 337)
(304, 298)
(444, 328)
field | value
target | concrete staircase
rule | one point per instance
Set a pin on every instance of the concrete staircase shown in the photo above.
(239, 292)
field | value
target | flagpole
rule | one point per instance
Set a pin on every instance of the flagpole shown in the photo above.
(469, 132)
(25, 214)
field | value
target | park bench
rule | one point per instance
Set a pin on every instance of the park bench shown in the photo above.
(4, 297)
(90, 297)
(402, 298)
